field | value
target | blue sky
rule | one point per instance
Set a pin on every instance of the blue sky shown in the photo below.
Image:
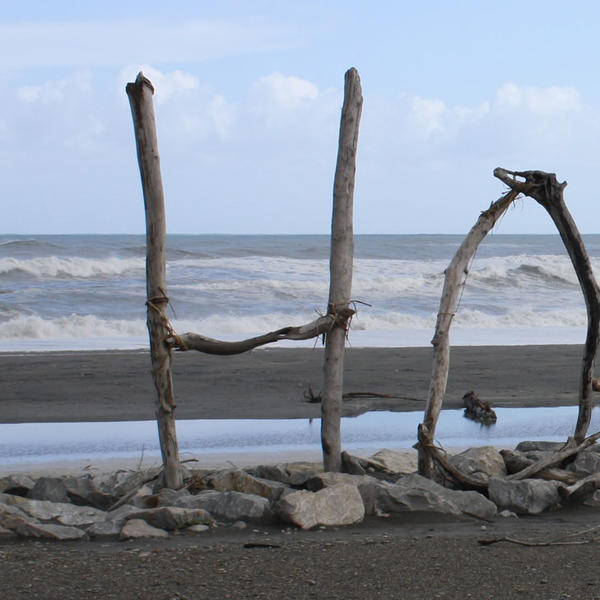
(248, 98)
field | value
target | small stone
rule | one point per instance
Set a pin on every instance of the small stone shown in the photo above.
(198, 528)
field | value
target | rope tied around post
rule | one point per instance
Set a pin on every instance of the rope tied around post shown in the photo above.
(171, 339)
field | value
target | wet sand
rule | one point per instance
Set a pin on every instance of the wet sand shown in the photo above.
(270, 383)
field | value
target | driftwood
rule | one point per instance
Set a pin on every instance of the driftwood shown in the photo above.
(516, 462)
(547, 191)
(582, 489)
(314, 398)
(563, 540)
(453, 282)
(341, 262)
(478, 410)
(320, 326)
(571, 448)
(140, 98)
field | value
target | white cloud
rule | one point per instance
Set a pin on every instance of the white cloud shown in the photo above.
(286, 93)
(543, 101)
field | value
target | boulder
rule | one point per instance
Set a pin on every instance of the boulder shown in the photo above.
(294, 474)
(481, 463)
(396, 461)
(416, 493)
(49, 531)
(137, 528)
(44, 510)
(340, 504)
(166, 497)
(49, 488)
(525, 496)
(236, 480)
(112, 524)
(6, 534)
(230, 506)
(18, 484)
(172, 518)
(586, 462)
(539, 446)
(329, 479)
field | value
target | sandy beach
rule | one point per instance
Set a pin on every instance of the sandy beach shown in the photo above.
(270, 383)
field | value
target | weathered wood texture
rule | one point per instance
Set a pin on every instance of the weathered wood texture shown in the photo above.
(547, 191)
(341, 263)
(454, 279)
(140, 98)
(320, 326)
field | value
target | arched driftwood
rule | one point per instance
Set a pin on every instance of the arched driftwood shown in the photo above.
(548, 192)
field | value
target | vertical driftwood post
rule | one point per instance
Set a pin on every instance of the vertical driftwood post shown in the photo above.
(341, 259)
(140, 98)
(547, 191)
(453, 282)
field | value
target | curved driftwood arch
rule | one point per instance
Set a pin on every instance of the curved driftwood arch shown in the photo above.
(547, 191)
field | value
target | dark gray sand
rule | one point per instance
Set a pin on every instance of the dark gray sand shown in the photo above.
(117, 386)
(406, 557)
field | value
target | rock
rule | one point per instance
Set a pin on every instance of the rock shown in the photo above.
(49, 531)
(395, 461)
(416, 493)
(138, 528)
(294, 474)
(49, 488)
(586, 462)
(18, 484)
(45, 510)
(508, 514)
(525, 496)
(198, 528)
(172, 518)
(340, 504)
(104, 529)
(11, 517)
(236, 480)
(84, 492)
(166, 497)
(482, 462)
(593, 500)
(329, 479)
(120, 515)
(230, 506)
(6, 534)
(540, 446)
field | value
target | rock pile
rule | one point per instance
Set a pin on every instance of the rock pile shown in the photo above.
(133, 504)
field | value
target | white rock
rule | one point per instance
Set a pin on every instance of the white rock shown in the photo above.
(137, 528)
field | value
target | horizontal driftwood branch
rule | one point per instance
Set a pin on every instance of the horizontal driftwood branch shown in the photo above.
(320, 326)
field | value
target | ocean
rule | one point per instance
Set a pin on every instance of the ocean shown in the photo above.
(81, 292)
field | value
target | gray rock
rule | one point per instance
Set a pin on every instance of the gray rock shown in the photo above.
(104, 529)
(526, 496)
(230, 506)
(49, 531)
(295, 473)
(11, 517)
(172, 518)
(236, 480)
(593, 500)
(329, 479)
(137, 528)
(198, 528)
(49, 488)
(416, 493)
(586, 462)
(120, 515)
(45, 510)
(396, 461)
(481, 463)
(529, 446)
(6, 534)
(340, 504)
(18, 484)
(508, 514)
(167, 496)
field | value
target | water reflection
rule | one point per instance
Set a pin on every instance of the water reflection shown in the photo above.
(63, 441)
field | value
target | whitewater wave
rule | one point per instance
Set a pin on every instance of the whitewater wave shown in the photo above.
(218, 325)
(54, 266)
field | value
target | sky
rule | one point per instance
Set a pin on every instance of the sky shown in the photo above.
(248, 100)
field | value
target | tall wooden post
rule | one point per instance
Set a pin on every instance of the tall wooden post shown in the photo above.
(341, 262)
(140, 99)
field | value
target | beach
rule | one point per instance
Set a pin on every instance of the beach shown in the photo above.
(271, 383)
(403, 556)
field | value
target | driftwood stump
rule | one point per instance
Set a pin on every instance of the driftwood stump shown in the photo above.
(478, 410)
